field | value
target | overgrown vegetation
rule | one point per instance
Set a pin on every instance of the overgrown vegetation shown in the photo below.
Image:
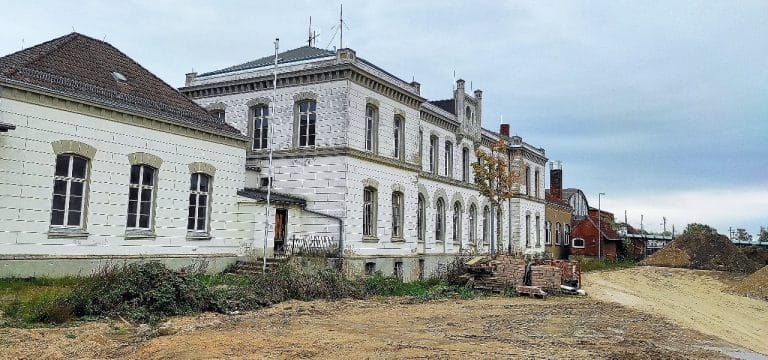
(588, 264)
(148, 292)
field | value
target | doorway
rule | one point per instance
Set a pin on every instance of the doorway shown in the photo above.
(281, 219)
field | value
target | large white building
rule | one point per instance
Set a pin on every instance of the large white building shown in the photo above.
(101, 160)
(379, 168)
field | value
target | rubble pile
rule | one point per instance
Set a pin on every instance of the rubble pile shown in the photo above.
(508, 272)
(754, 286)
(701, 250)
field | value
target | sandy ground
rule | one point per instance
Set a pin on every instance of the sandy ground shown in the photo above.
(496, 327)
(695, 299)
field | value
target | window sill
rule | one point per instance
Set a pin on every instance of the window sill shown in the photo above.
(64, 232)
(370, 239)
(191, 235)
(140, 234)
(397, 239)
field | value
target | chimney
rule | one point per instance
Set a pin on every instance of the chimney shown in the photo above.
(556, 179)
(504, 130)
(460, 84)
(190, 78)
(416, 87)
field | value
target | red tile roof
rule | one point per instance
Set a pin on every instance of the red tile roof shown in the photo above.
(81, 67)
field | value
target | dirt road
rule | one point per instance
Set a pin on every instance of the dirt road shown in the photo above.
(497, 327)
(695, 299)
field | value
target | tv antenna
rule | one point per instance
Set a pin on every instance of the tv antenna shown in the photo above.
(339, 28)
(312, 36)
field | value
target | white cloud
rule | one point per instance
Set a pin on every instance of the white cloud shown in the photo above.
(744, 208)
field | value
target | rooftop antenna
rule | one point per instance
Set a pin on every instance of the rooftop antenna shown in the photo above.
(341, 26)
(22, 43)
(312, 35)
(73, 28)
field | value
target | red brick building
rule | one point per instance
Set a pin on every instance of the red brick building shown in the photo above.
(584, 236)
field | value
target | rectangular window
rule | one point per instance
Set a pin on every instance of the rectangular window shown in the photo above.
(448, 159)
(398, 270)
(369, 212)
(69, 190)
(433, 154)
(465, 164)
(307, 123)
(538, 231)
(141, 190)
(421, 149)
(398, 126)
(260, 116)
(397, 215)
(370, 128)
(199, 199)
(527, 230)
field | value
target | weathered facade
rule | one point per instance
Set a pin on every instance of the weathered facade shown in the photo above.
(558, 216)
(364, 147)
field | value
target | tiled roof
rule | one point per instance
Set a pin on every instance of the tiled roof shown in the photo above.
(447, 105)
(81, 67)
(276, 198)
(298, 54)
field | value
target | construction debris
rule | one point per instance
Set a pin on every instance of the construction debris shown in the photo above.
(754, 286)
(537, 277)
(706, 251)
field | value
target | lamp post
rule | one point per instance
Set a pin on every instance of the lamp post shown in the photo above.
(599, 229)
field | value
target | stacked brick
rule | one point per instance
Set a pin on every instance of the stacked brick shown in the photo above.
(508, 272)
(546, 277)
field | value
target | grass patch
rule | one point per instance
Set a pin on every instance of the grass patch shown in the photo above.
(588, 264)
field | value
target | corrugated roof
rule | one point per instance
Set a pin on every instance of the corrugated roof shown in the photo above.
(81, 67)
(298, 54)
(276, 198)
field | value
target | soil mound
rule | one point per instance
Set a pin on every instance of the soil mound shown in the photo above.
(754, 286)
(703, 250)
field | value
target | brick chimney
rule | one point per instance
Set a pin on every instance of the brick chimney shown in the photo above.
(556, 179)
(504, 130)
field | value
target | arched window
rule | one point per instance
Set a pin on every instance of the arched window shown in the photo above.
(397, 215)
(465, 164)
(468, 113)
(369, 212)
(260, 125)
(420, 218)
(440, 220)
(371, 128)
(558, 233)
(399, 137)
(472, 224)
(141, 195)
(199, 200)
(307, 122)
(486, 224)
(457, 223)
(70, 184)
(567, 236)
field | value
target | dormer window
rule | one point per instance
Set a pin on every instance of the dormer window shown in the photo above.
(218, 114)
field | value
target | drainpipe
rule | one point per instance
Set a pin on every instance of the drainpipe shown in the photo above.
(341, 230)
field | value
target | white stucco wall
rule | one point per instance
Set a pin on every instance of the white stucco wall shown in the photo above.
(26, 180)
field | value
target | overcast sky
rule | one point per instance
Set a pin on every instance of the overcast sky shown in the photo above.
(661, 105)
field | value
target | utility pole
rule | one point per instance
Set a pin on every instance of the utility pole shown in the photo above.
(270, 177)
(599, 229)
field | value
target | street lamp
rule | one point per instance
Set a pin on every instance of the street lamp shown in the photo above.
(599, 229)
